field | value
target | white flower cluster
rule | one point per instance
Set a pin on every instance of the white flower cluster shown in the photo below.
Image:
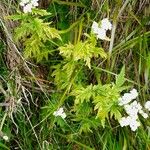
(60, 112)
(5, 137)
(128, 97)
(147, 105)
(101, 31)
(28, 5)
(132, 109)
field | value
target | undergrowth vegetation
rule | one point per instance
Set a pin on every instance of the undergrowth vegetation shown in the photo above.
(75, 75)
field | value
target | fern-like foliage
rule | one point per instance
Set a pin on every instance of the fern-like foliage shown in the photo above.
(83, 94)
(73, 55)
(34, 32)
(82, 51)
(103, 97)
(63, 73)
(105, 100)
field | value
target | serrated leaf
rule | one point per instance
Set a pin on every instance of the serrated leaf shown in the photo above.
(121, 77)
(116, 113)
(82, 94)
(35, 33)
(40, 12)
(84, 51)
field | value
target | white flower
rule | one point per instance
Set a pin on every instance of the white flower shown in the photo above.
(133, 109)
(101, 34)
(124, 121)
(101, 31)
(136, 105)
(147, 105)
(63, 115)
(5, 138)
(60, 112)
(125, 99)
(27, 8)
(23, 2)
(134, 93)
(145, 115)
(28, 5)
(128, 97)
(95, 27)
(134, 124)
(34, 3)
(106, 24)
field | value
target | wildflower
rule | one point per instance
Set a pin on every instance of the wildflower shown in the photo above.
(28, 5)
(60, 112)
(131, 121)
(101, 31)
(27, 8)
(34, 3)
(134, 124)
(106, 24)
(95, 27)
(132, 109)
(134, 93)
(128, 97)
(24, 2)
(101, 34)
(125, 99)
(147, 105)
(5, 138)
(124, 121)
(145, 115)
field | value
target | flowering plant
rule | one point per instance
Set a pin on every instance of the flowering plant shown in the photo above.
(101, 31)
(132, 109)
(28, 5)
(80, 88)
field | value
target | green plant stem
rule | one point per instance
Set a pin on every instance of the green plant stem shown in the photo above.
(67, 89)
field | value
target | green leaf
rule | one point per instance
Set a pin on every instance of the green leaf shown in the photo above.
(34, 34)
(104, 100)
(40, 12)
(84, 51)
(82, 94)
(121, 77)
(116, 113)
